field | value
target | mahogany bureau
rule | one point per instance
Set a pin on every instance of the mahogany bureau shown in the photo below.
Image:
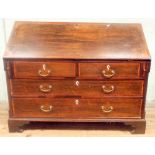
(77, 72)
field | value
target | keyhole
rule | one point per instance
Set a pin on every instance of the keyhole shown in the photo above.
(77, 102)
(77, 83)
(108, 25)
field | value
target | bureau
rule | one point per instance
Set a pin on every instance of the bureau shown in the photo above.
(76, 72)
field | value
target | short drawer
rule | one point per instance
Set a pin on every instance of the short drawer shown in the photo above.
(77, 108)
(47, 69)
(84, 89)
(109, 70)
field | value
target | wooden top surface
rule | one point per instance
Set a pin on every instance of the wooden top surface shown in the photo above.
(65, 40)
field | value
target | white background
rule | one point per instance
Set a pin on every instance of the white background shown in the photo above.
(81, 10)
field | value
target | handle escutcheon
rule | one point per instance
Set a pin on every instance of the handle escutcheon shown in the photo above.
(45, 108)
(108, 72)
(108, 109)
(45, 89)
(76, 102)
(108, 89)
(44, 72)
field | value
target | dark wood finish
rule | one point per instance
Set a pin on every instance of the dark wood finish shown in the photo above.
(23, 69)
(16, 125)
(73, 88)
(77, 41)
(77, 108)
(137, 127)
(100, 89)
(77, 72)
(122, 70)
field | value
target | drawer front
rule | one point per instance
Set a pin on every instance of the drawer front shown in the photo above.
(99, 89)
(109, 70)
(66, 88)
(43, 88)
(43, 69)
(74, 108)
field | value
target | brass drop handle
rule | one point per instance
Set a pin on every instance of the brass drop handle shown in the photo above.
(44, 72)
(45, 89)
(108, 72)
(108, 89)
(45, 108)
(107, 110)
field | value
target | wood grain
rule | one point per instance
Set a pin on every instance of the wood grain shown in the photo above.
(30, 69)
(122, 70)
(102, 69)
(77, 41)
(70, 109)
(78, 88)
(56, 129)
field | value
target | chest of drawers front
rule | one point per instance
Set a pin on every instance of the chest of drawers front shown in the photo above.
(77, 91)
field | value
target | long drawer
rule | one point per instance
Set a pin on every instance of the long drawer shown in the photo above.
(77, 108)
(86, 89)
